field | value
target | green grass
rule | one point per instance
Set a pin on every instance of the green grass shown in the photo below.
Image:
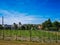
(34, 33)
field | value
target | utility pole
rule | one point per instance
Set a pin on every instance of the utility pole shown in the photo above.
(2, 21)
(30, 35)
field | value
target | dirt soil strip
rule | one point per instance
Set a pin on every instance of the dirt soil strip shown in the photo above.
(25, 43)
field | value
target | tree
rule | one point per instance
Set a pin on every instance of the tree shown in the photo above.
(1, 27)
(23, 27)
(19, 25)
(47, 24)
(56, 24)
(15, 26)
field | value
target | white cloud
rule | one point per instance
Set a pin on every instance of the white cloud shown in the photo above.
(13, 16)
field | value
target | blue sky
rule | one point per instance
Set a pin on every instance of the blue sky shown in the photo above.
(29, 11)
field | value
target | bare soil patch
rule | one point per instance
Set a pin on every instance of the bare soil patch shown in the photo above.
(25, 43)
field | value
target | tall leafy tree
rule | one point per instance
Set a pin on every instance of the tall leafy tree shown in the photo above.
(19, 25)
(47, 24)
(15, 25)
(56, 24)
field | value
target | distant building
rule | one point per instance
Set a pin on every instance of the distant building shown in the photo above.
(40, 27)
(7, 26)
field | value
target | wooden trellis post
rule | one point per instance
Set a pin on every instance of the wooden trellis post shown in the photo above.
(3, 26)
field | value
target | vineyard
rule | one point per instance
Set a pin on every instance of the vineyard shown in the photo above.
(30, 35)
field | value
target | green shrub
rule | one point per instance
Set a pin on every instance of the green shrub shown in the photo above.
(53, 28)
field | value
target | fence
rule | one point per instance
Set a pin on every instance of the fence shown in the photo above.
(30, 35)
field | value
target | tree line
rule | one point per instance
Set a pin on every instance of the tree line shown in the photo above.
(52, 26)
(20, 26)
(47, 25)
